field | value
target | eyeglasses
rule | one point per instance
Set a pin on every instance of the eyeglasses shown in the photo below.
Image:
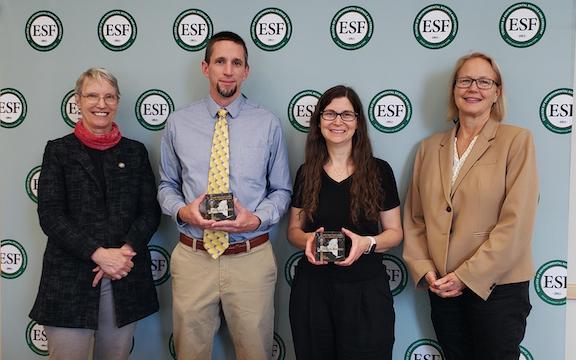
(482, 83)
(93, 99)
(330, 115)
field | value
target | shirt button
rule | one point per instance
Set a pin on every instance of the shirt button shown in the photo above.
(448, 209)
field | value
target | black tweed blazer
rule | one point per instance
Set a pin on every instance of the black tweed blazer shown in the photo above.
(79, 215)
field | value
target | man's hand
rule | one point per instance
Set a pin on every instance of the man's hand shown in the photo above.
(191, 214)
(245, 221)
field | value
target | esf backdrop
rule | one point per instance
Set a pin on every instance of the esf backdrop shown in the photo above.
(397, 55)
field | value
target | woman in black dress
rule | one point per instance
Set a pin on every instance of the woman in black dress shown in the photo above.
(343, 310)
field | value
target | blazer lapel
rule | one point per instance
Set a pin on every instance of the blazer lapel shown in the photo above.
(483, 142)
(79, 154)
(445, 157)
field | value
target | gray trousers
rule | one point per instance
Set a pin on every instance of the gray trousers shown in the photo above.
(107, 343)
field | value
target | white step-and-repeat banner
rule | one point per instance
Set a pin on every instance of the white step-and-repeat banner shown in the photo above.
(397, 55)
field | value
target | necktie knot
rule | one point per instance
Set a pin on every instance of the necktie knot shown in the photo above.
(222, 113)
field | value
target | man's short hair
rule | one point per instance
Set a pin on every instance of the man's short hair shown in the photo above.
(221, 36)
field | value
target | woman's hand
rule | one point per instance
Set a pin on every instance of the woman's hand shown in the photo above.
(359, 245)
(447, 286)
(114, 263)
(309, 250)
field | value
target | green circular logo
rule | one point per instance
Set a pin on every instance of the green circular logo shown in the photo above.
(69, 109)
(44, 31)
(13, 108)
(271, 29)
(160, 264)
(435, 26)
(117, 30)
(301, 107)
(550, 282)
(522, 25)
(278, 348)
(32, 183)
(397, 273)
(36, 338)
(351, 28)
(290, 266)
(556, 111)
(192, 29)
(424, 349)
(152, 109)
(390, 111)
(14, 259)
(525, 354)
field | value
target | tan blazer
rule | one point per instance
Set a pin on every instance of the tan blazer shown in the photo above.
(481, 229)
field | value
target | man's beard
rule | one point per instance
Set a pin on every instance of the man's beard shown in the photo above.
(226, 93)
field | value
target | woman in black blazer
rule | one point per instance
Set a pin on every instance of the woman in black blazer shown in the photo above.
(97, 204)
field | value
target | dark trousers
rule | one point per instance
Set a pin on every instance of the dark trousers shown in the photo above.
(342, 320)
(469, 328)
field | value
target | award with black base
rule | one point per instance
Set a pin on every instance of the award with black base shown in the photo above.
(219, 207)
(329, 246)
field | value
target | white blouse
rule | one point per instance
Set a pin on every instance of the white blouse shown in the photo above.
(458, 162)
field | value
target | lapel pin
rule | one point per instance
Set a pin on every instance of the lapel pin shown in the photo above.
(121, 165)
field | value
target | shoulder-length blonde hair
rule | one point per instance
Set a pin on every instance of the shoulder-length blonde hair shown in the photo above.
(498, 111)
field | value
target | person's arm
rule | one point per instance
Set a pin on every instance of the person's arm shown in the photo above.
(170, 195)
(276, 202)
(53, 211)
(390, 236)
(513, 231)
(300, 239)
(415, 251)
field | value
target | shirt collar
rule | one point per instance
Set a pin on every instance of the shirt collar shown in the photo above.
(233, 108)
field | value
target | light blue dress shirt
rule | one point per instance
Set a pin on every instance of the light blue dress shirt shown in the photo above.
(259, 170)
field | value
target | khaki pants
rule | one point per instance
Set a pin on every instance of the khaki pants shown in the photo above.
(242, 284)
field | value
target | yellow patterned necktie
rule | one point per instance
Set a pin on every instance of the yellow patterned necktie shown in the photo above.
(216, 242)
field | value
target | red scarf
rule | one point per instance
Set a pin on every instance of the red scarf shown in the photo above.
(98, 142)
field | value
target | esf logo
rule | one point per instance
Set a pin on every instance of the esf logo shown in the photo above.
(522, 25)
(69, 109)
(301, 107)
(290, 266)
(12, 108)
(390, 111)
(424, 349)
(271, 29)
(32, 183)
(550, 282)
(351, 28)
(525, 354)
(397, 273)
(556, 111)
(117, 30)
(152, 109)
(435, 26)
(14, 259)
(160, 264)
(278, 348)
(192, 29)
(36, 338)
(44, 31)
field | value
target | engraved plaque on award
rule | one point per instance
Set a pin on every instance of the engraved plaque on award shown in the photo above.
(330, 246)
(219, 207)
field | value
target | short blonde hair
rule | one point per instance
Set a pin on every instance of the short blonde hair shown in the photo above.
(97, 74)
(498, 111)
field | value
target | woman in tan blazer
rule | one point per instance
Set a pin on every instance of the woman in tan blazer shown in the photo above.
(468, 219)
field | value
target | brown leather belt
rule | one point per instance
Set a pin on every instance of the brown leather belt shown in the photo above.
(235, 248)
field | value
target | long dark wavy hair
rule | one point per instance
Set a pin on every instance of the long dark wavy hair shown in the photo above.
(366, 191)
